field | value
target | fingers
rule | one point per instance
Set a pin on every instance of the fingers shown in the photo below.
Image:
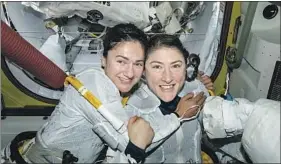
(201, 73)
(137, 120)
(211, 88)
(191, 112)
(132, 120)
(201, 101)
(199, 96)
(205, 77)
(195, 110)
(188, 96)
(210, 85)
(199, 77)
(206, 80)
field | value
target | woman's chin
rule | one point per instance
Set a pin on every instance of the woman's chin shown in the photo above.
(124, 89)
(167, 98)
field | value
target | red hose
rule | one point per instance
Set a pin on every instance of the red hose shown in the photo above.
(21, 52)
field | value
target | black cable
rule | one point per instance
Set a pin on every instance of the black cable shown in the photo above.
(250, 64)
(7, 17)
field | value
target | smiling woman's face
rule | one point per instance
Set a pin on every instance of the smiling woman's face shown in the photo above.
(124, 65)
(165, 71)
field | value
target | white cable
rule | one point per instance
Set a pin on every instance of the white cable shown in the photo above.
(227, 84)
(132, 160)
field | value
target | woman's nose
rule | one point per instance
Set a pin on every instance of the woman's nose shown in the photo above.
(129, 72)
(167, 76)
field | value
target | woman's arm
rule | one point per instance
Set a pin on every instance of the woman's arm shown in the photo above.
(224, 118)
(141, 135)
(104, 90)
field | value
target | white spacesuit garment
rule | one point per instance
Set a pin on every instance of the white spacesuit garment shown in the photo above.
(75, 125)
(258, 121)
(180, 147)
(109, 13)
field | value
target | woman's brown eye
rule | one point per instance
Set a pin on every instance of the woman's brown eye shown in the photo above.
(139, 64)
(156, 67)
(120, 61)
(177, 66)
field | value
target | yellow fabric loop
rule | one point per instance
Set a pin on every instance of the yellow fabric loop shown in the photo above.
(206, 159)
(124, 101)
(211, 93)
(87, 95)
(21, 146)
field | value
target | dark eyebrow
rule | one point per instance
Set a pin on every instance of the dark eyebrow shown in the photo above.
(162, 63)
(128, 58)
(176, 61)
(158, 62)
(139, 61)
(122, 57)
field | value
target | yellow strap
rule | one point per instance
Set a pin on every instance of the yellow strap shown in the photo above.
(211, 93)
(124, 101)
(21, 147)
(83, 91)
(86, 93)
(206, 159)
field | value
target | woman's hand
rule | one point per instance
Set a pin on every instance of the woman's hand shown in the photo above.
(206, 80)
(189, 105)
(139, 131)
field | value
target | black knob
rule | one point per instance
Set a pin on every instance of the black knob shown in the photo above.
(94, 16)
(270, 11)
(68, 158)
(194, 60)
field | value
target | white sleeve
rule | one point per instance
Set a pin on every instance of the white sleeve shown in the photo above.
(165, 126)
(223, 118)
(261, 136)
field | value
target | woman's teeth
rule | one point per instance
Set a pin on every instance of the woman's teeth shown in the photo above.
(166, 86)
